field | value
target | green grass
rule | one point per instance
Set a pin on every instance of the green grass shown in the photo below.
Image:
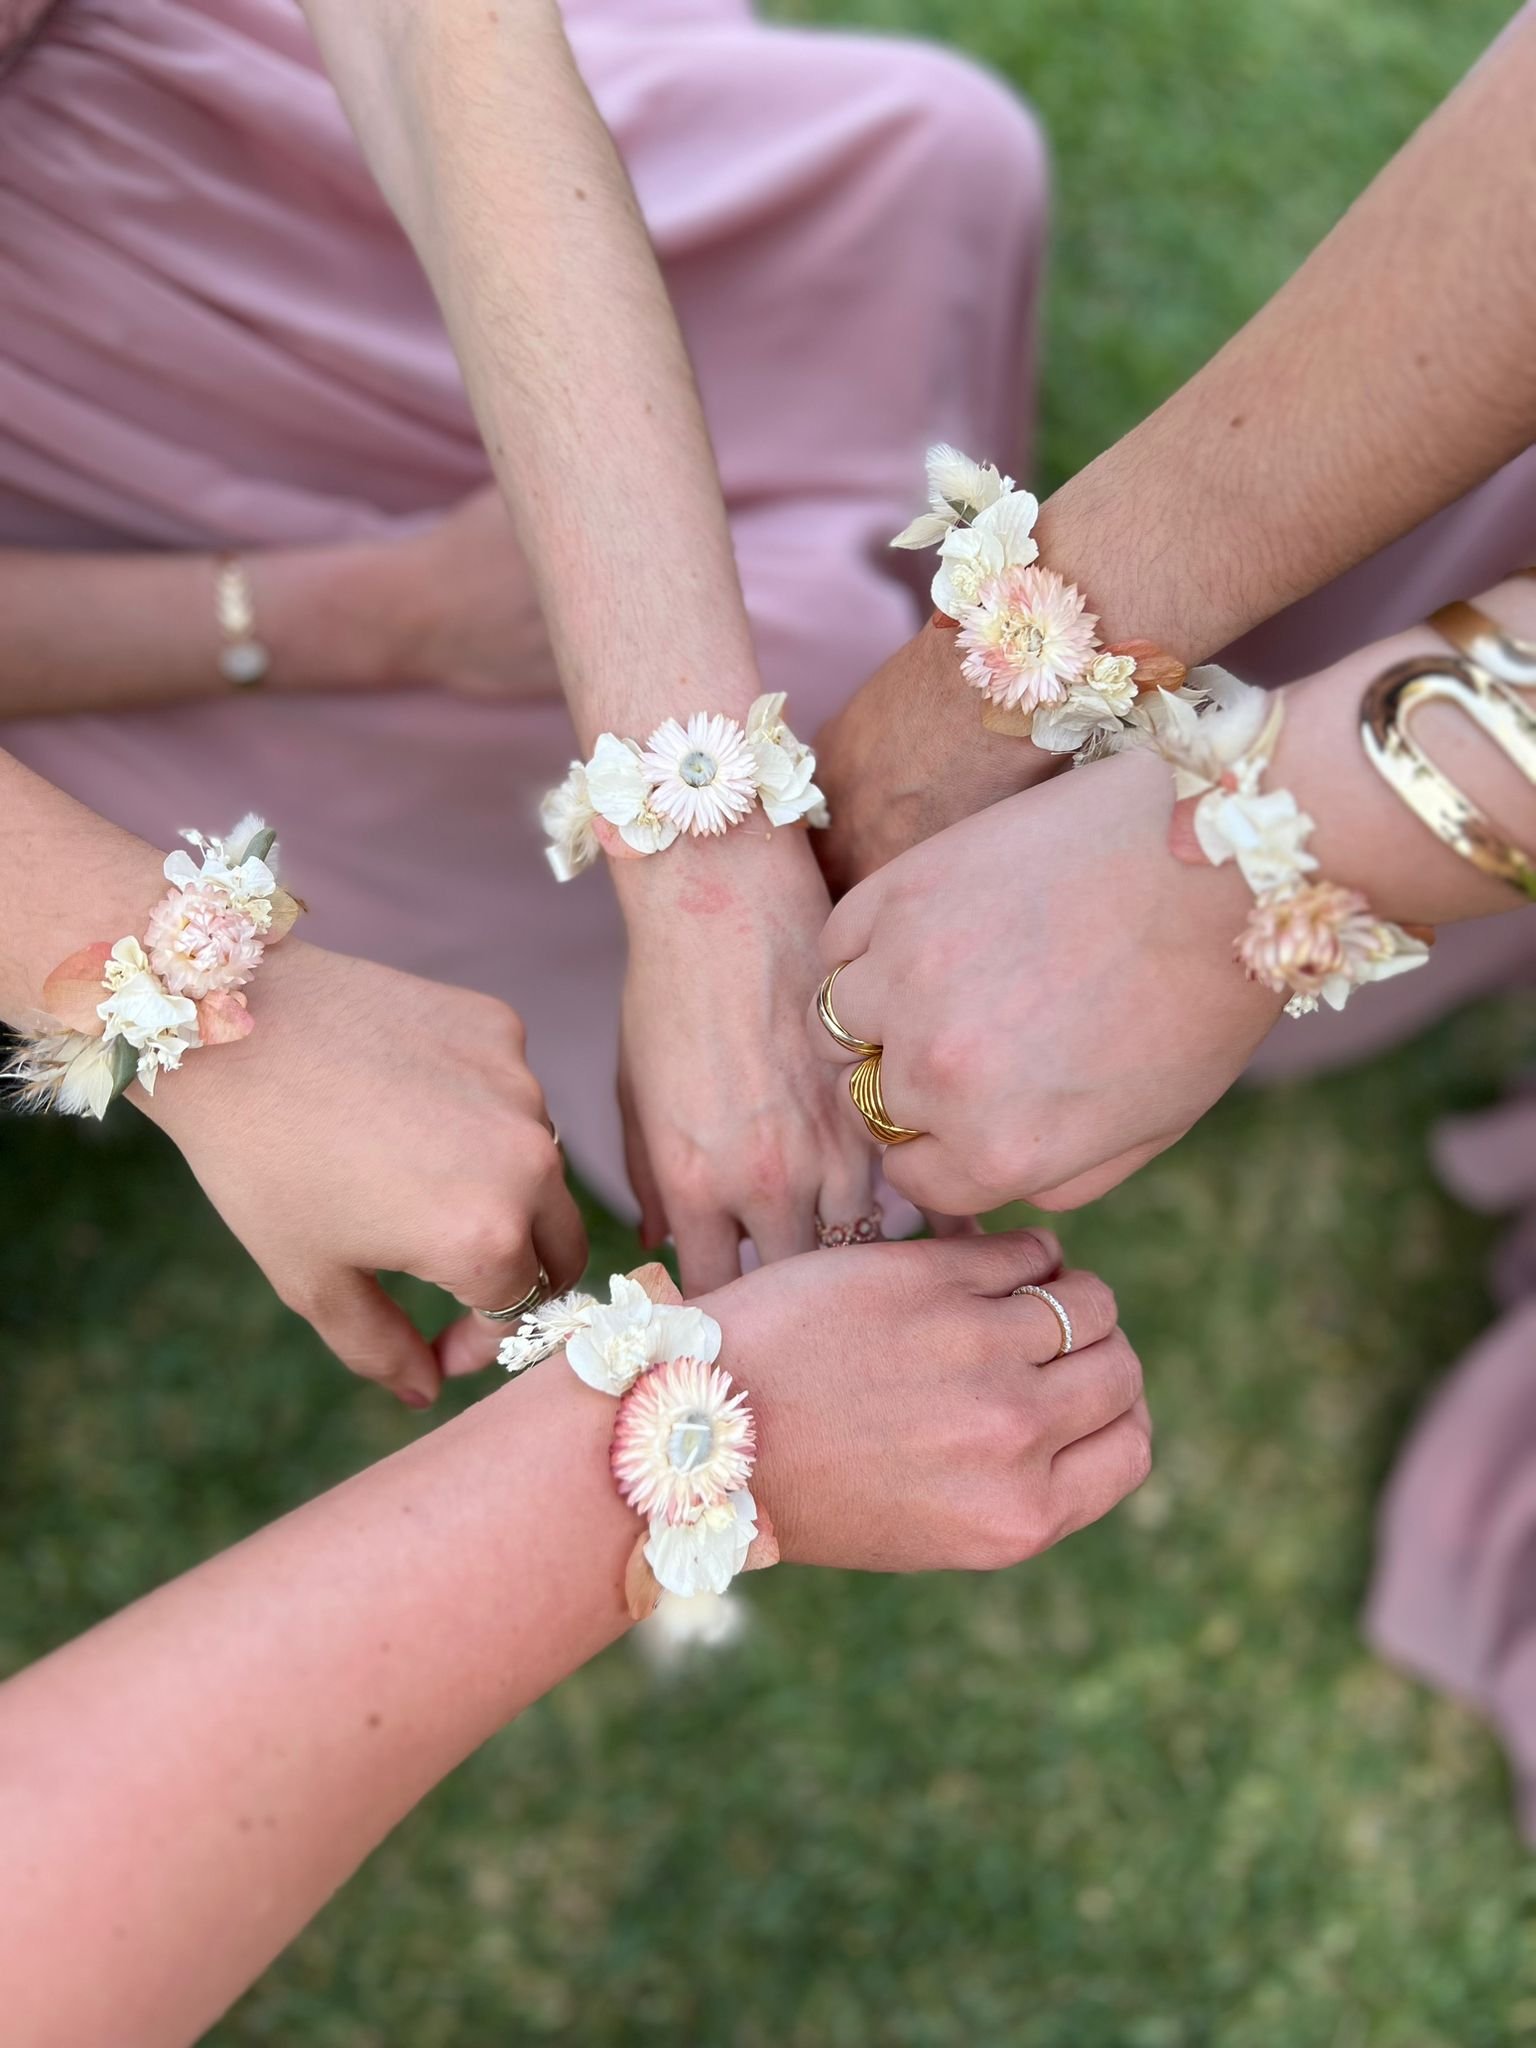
(1147, 1793)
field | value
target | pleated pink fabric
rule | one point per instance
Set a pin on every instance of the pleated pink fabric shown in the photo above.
(212, 333)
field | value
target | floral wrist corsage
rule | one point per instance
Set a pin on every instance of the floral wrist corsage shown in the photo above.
(1312, 941)
(134, 1009)
(684, 1442)
(1027, 639)
(702, 778)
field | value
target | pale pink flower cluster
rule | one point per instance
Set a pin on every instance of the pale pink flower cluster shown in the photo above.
(200, 942)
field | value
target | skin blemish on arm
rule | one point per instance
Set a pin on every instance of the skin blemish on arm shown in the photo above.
(375, 1720)
(705, 898)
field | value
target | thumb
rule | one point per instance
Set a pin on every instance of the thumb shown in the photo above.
(373, 1336)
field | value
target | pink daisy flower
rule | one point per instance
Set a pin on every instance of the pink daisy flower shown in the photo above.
(1027, 638)
(683, 1441)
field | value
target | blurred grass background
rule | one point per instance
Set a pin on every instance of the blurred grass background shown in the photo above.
(1146, 1793)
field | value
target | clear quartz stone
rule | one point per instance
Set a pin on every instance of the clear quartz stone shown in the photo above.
(690, 1443)
(244, 662)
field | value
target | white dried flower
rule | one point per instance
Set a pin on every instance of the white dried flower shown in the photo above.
(626, 1337)
(704, 1555)
(567, 817)
(620, 791)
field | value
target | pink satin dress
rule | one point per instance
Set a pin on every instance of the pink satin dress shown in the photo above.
(212, 333)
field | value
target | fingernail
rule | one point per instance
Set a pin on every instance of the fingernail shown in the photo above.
(415, 1400)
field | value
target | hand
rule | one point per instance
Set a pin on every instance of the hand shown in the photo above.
(909, 756)
(733, 1127)
(375, 1121)
(471, 622)
(1054, 991)
(913, 1414)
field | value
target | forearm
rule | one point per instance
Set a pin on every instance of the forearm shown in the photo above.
(253, 1730)
(490, 149)
(67, 879)
(1391, 374)
(106, 632)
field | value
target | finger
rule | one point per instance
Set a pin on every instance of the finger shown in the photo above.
(932, 1175)
(1098, 1180)
(1089, 1303)
(992, 1265)
(468, 1345)
(1086, 1391)
(857, 1001)
(642, 1175)
(374, 1337)
(708, 1252)
(559, 1235)
(848, 930)
(1096, 1473)
(849, 1200)
(952, 1226)
(781, 1232)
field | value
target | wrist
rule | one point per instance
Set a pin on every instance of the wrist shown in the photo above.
(341, 618)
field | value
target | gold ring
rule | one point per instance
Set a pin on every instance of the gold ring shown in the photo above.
(538, 1292)
(859, 1047)
(1057, 1310)
(869, 1101)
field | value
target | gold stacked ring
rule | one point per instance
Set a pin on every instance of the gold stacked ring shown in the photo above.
(869, 1101)
(835, 1030)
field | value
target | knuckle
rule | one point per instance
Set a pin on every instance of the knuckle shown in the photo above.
(1126, 1373)
(489, 1241)
(1100, 1309)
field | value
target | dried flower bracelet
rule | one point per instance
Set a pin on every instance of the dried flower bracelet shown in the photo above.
(134, 1008)
(684, 1443)
(701, 778)
(1309, 940)
(1027, 640)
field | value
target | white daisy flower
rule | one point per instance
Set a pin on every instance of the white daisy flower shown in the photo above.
(703, 777)
(683, 1442)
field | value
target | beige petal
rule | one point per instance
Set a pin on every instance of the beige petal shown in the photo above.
(286, 912)
(642, 1595)
(222, 1018)
(1006, 718)
(74, 988)
(658, 1283)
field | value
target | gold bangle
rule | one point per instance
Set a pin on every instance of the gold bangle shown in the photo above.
(1403, 764)
(1507, 662)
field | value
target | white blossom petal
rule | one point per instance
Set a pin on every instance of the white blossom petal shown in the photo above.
(703, 1556)
(925, 531)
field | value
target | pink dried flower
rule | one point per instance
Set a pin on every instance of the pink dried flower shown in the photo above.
(199, 944)
(683, 1441)
(1298, 942)
(1027, 638)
